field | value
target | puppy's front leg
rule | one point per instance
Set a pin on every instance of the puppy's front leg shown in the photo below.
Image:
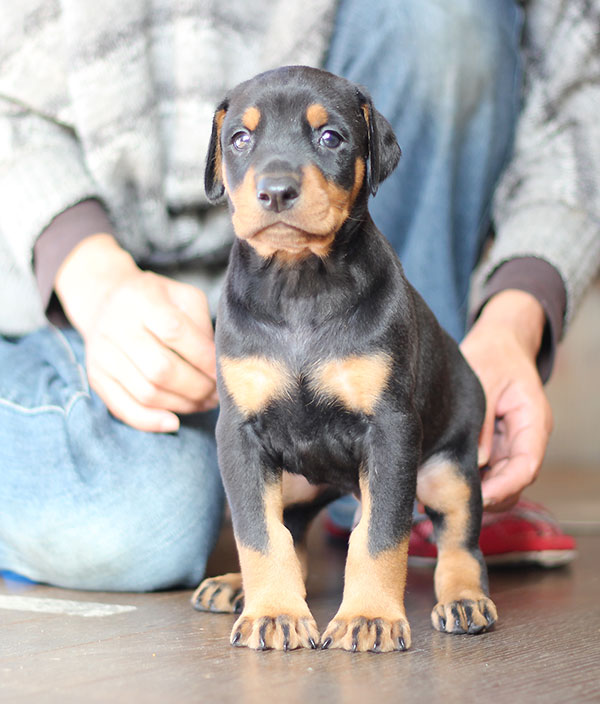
(275, 613)
(372, 616)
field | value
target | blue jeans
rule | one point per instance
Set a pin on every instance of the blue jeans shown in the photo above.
(447, 76)
(87, 502)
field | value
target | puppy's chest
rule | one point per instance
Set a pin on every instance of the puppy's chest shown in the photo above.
(310, 419)
(352, 383)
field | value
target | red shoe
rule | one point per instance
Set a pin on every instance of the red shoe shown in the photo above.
(527, 534)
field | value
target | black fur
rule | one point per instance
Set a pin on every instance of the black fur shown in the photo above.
(355, 301)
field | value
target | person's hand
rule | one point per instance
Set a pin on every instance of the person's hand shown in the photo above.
(149, 340)
(502, 347)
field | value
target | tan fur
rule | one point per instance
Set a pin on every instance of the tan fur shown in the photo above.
(366, 115)
(357, 382)
(457, 574)
(317, 115)
(373, 591)
(307, 228)
(251, 118)
(218, 594)
(274, 587)
(219, 117)
(254, 382)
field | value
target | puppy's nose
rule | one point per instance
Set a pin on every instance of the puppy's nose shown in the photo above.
(278, 193)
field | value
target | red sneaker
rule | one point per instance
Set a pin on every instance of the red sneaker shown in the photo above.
(527, 534)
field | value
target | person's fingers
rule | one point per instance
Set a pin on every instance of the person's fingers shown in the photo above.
(111, 360)
(486, 436)
(191, 339)
(124, 407)
(191, 301)
(516, 460)
(166, 370)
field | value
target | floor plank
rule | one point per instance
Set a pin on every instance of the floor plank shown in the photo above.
(546, 647)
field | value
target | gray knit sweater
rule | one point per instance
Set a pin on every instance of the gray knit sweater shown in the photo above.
(112, 100)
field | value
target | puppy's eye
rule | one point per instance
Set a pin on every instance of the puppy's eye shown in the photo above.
(330, 139)
(241, 141)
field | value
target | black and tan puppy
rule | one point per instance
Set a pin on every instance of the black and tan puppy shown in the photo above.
(331, 366)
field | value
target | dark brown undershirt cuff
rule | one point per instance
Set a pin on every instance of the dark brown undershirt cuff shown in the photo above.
(61, 236)
(540, 279)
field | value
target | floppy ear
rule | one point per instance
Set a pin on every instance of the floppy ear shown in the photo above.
(383, 150)
(213, 173)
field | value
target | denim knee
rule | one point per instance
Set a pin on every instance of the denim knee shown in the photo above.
(88, 502)
(137, 521)
(157, 535)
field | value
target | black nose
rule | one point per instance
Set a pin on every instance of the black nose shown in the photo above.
(278, 193)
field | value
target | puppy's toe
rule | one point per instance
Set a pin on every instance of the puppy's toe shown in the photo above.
(220, 594)
(464, 616)
(281, 632)
(359, 634)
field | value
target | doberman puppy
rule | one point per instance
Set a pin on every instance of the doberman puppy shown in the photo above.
(331, 366)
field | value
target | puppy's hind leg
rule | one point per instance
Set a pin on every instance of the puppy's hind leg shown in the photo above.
(453, 502)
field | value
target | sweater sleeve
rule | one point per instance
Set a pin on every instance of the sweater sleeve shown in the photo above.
(42, 167)
(42, 173)
(547, 205)
(61, 236)
(541, 280)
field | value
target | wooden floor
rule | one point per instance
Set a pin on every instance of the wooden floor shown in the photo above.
(81, 647)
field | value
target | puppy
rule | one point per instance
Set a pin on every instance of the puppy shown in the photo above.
(331, 366)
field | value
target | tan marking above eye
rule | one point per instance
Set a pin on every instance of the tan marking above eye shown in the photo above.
(254, 382)
(357, 382)
(251, 118)
(317, 116)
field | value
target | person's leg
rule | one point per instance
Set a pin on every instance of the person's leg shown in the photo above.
(447, 76)
(87, 502)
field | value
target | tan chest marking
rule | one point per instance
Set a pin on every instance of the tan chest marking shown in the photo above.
(254, 382)
(357, 382)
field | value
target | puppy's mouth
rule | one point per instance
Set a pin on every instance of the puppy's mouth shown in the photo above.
(290, 241)
(284, 235)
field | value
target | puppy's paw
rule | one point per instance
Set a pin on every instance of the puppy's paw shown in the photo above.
(220, 594)
(281, 632)
(464, 616)
(359, 634)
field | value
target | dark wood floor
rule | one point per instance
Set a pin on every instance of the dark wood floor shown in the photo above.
(546, 647)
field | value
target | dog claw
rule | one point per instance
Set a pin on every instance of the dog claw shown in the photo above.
(326, 643)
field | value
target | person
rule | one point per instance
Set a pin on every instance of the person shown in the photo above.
(109, 478)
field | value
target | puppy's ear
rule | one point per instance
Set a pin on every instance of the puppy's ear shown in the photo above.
(383, 150)
(213, 173)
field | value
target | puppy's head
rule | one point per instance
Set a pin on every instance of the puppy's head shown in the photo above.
(297, 150)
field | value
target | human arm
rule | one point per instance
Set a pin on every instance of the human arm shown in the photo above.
(546, 211)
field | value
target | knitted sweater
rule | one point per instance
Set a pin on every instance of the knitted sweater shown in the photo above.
(120, 111)
(114, 100)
